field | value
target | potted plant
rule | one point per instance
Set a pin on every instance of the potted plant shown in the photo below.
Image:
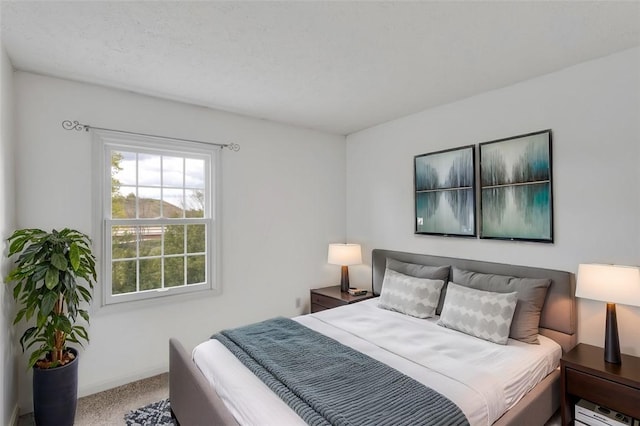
(54, 274)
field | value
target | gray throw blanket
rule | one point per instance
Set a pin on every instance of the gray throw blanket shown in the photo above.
(328, 383)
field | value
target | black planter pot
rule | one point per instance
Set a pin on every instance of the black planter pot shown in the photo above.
(55, 394)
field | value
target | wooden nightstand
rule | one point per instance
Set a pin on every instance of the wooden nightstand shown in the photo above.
(584, 374)
(331, 297)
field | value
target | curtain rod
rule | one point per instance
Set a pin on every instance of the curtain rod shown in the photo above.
(75, 125)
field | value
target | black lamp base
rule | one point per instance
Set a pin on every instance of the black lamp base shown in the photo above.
(611, 339)
(344, 281)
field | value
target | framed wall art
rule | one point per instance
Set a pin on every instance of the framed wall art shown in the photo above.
(444, 184)
(516, 201)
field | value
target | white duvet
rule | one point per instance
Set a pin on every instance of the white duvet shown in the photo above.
(484, 379)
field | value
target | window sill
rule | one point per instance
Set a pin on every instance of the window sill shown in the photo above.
(164, 298)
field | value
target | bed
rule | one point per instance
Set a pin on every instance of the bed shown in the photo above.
(194, 401)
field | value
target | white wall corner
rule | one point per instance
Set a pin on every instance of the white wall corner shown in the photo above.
(13, 420)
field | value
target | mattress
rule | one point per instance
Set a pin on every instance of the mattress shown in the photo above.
(484, 379)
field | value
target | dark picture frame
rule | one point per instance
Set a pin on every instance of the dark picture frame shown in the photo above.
(516, 191)
(445, 192)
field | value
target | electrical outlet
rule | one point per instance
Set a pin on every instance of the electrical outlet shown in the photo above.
(298, 302)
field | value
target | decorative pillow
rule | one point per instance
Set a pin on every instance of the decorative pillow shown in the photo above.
(409, 295)
(531, 295)
(423, 271)
(482, 314)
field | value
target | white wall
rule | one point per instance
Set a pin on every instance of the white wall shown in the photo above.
(283, 202)
(8, 366)
(593, 110)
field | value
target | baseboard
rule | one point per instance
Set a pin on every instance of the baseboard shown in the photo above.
(100, 387)
(13, 421)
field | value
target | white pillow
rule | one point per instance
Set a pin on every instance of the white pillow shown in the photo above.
(409, 295)
(482, 314)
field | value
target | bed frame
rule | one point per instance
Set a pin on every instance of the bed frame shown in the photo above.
(194, 402)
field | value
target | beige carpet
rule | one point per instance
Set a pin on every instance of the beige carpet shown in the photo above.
(109, 407)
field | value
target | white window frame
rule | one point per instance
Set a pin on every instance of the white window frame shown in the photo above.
(104, 143)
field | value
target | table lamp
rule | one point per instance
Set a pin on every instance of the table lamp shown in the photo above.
(345, 255)
(611, 284)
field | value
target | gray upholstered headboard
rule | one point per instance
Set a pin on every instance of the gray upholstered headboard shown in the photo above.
(558, 317)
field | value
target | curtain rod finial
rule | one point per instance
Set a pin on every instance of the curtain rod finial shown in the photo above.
(74, 125)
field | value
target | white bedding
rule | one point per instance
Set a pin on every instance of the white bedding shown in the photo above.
(484, 379)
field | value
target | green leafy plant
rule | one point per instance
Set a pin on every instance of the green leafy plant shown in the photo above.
(54, 273)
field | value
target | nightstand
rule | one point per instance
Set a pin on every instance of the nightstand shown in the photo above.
(584, 374)
(331, 297)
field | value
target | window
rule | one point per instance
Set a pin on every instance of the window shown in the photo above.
(157, 217)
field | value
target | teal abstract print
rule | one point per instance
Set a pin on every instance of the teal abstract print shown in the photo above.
(445, 192)
(516, 192)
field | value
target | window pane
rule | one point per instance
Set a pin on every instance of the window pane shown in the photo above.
(196, 269)
(195, 203)
(196, 238)
(123, 242)
(150, 241)
(173, 271)
(123, 168)
(123, 277)
(149, 202)
(174, 239)
(150, 274)
(173, 172)
(149, 170)
(123, 203)
(117, 207)
(194, 173)
(173, 203)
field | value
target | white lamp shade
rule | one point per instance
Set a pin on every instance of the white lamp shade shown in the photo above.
(609, 283)
(345, 254)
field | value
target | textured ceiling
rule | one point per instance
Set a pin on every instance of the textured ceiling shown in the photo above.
(332, 66)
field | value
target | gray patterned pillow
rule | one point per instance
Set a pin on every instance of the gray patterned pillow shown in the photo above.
(423, 271)
(413, 296)
(482, 314)
(531, 297)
